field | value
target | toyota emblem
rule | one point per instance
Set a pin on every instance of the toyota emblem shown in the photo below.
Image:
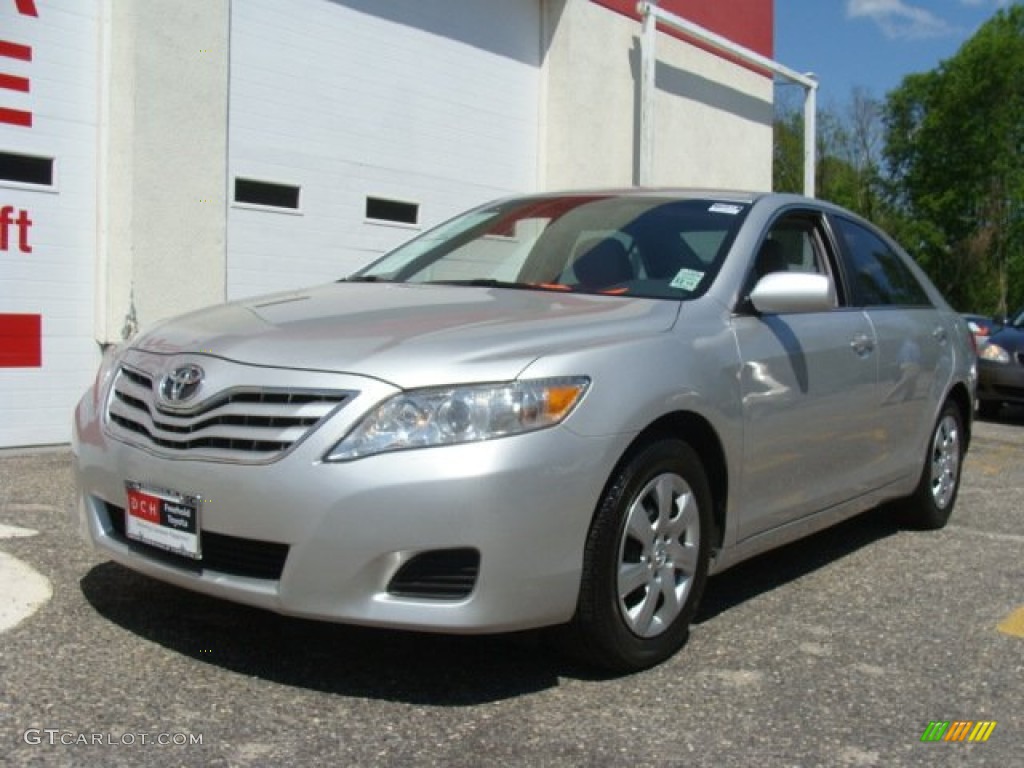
(181, 384)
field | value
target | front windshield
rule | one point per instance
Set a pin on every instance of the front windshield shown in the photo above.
(656, 247)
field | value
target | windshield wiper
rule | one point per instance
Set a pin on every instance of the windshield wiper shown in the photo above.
(478, 282)
(363, 279)
(475, 282)
(487, 282)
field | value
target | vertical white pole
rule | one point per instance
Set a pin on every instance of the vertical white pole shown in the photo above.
(810, 132)
(648, 62)
(103, 331)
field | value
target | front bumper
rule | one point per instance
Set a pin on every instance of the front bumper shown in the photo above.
(328, 539)
(1001, 382)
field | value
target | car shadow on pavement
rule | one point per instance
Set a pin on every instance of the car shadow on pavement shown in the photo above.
(1008, 414)
(780, 566)
(411, 667)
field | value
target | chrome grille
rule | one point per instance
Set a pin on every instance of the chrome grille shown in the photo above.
(249, 424)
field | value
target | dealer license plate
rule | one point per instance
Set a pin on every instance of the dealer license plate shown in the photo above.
(164, 519)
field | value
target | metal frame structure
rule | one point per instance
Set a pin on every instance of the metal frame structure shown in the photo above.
(652, 16)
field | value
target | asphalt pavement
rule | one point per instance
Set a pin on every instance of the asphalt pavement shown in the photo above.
(840, 650)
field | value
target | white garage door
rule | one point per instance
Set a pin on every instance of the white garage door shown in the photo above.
(355, 123)
(48, 54)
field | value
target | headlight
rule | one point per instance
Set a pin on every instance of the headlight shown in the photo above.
(447, 416)
(994, 353)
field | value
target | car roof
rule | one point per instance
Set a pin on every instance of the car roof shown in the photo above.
(696, 193)
(743, 196)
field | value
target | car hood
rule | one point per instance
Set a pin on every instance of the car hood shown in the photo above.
(409, 335)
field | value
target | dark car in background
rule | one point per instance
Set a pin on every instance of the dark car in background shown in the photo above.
(1001, 367)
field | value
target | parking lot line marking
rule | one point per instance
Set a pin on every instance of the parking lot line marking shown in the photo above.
(1013, 624)
(23, 590)
(14, 532)
(987, 534)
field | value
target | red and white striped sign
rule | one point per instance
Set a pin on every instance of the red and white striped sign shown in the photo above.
(20, 334)
(13, 50)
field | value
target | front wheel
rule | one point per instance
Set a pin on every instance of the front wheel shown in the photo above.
(932, 502)
(645, 562)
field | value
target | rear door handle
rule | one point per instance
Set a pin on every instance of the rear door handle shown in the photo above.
(862, 344)
(939, 334)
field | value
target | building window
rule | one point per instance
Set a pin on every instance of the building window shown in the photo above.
(26, 169)
(392, 211)
(267, 194)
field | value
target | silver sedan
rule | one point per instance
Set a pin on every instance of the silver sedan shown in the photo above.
(553, 411)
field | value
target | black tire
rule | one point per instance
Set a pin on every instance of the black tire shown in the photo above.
(931, 504)
(989, 409)
(645, 562)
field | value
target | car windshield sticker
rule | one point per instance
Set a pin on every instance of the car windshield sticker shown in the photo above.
(687, 279)
(725, 208)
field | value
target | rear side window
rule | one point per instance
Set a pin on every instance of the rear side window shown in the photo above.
(878, 275)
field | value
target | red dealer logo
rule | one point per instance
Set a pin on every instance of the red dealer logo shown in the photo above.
(144, 507)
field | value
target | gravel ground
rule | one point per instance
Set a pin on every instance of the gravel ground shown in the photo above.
(836, 651)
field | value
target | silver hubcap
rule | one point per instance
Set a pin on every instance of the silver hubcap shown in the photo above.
(658, 555)
(945, 461)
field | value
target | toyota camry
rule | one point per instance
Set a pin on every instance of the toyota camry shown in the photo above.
(561, 410)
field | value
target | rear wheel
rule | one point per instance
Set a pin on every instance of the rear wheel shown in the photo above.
(932, 502)
(645, 562)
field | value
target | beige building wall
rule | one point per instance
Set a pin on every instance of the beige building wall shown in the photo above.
(163, 126)
(163, 154)
(713, 118)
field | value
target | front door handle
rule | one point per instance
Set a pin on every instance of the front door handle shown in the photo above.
(862, 344)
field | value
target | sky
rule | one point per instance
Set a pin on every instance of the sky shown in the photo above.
(872, 44)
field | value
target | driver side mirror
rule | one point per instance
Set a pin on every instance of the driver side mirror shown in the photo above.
(782, 292)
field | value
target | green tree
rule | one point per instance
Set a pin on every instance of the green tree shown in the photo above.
(788, 150)
(863, 148)
(953, 143)
(847, 149)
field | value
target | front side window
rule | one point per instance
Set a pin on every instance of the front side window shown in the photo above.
(793, 243)
(620, 246)
(877, 273)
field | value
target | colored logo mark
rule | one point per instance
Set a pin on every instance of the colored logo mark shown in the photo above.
(958, 730)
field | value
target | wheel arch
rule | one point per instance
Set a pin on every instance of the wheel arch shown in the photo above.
(698, 432)
(962, 399)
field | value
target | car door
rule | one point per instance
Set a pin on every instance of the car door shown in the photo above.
(914, 349)
(809, 384)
